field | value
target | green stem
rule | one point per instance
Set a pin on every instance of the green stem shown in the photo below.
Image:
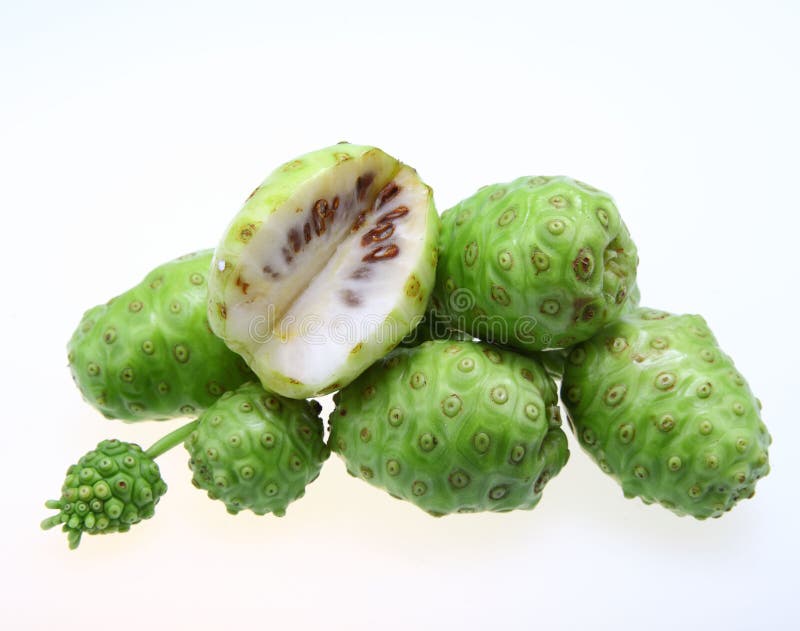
(172, 439)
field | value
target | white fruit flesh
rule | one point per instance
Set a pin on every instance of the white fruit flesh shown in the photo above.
(324, 271)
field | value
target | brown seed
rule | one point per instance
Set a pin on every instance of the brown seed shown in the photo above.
(319, 215)
(400, 211)
(362, 184)
(388, 193)
(381, 232)
(382, 253)
(360, 219)
(361, 272)
(351, 298)
(242, 284)
(294, 240)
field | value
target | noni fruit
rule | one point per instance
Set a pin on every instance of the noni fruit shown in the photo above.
(257, 450)
(537, 263)
(658, 405)
(325, 268)
(110, 489)
(452, 426)
(149, 353)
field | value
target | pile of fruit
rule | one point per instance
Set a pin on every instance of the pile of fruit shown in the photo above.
(443, 339)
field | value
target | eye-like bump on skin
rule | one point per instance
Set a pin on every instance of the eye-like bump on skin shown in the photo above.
(334, 242)
(555, 252)
(647, 394)
(452, 426)
(149, 353)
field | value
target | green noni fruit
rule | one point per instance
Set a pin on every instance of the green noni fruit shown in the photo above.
(325, 269)
(658, 405)
(257, 450)
(452, 426)
(110, 489)
(149, 353)
(537, 263)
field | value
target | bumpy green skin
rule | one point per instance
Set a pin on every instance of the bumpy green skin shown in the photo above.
(537, 263)
(257, 450)
(452, 426)
(664, 411)
(149, 353)
(110, 489)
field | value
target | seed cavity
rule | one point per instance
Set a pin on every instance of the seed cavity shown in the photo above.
(350, 298)
(400, 211)
(363, 182)
(388, 193)
(382, 253)
(380, 232)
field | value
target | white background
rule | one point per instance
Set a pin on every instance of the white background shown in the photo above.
(130, 133)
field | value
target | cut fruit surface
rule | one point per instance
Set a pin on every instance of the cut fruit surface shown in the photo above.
(328, 265)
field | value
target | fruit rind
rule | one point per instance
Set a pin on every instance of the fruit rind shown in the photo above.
(537, 263)
(452, 426)
(256, 450)
(148, 353)
(662, 409)
(110, 489)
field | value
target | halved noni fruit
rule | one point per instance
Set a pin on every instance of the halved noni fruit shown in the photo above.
(327, 266)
